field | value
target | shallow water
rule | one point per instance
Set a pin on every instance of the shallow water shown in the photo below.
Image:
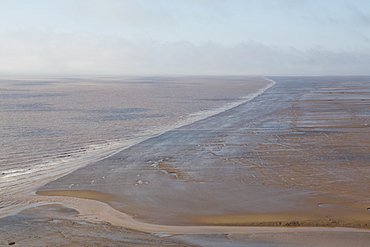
(301, 144)
(52, 126)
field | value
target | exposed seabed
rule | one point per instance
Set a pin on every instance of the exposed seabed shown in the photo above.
(296, 155)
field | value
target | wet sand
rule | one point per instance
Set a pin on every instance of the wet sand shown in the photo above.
(58, 225)
(297, 155)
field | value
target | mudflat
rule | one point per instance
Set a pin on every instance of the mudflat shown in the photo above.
(295, 159)
(297, 155)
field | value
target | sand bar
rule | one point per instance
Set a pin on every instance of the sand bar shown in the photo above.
(297, 155)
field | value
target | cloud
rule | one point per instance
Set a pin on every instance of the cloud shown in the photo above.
(360, 17)
(73, 54)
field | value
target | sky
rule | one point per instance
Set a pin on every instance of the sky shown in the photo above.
(185, 37)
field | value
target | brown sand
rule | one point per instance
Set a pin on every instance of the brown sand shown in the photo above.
(335, 216)
(297, 155)
(57, 225)
(92, 210)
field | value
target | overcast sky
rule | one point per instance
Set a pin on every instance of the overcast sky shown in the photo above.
(185, 37)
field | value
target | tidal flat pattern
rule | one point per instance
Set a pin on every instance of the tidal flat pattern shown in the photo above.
(298, 154)
(51, 126)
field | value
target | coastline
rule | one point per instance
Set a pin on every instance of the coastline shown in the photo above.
(97, 211)
(67, 165)
(61, 225)
(325, 203)
(161, 181)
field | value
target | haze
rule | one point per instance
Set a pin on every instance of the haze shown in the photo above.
(184, 37)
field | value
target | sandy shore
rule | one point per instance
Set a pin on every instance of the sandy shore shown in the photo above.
(61, 225)
(297, 155)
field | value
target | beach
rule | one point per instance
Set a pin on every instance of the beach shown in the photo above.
(287, 166)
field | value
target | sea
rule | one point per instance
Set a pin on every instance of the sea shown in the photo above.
(51, 126)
